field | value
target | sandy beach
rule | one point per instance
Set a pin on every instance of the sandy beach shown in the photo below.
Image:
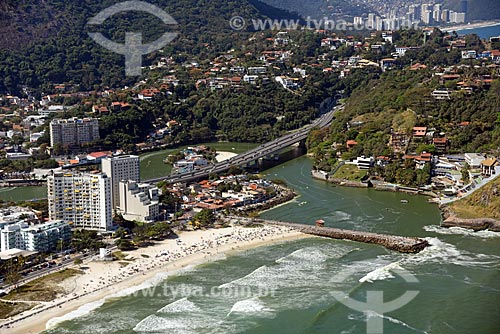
(104, 279)
(470, 26)
(223, 155)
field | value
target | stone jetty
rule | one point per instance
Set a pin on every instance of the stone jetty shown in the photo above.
(392, 242)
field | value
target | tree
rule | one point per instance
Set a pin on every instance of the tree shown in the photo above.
(426, 148)
(124, 244)
(234, 170)
(170, 200)
(13, 268)
(465, 173)
(204, 218)
(120, 233)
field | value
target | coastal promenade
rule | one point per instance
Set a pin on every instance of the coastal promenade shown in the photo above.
(392, 242)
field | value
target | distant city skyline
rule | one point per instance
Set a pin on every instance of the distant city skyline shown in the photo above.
(423, 14)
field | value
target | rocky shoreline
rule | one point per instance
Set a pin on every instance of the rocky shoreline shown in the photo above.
(449, 217)
(284, 196)
(476, 224)
(380, 186)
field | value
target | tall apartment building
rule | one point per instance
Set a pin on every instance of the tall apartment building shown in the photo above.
(416, 12)
(139, 201)
(81, 199)
(73, 131)
(437, 12)
(427, 17)
(39, 238)
(124, 167)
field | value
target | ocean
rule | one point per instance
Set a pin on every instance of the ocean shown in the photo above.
(484, 32)
(301, 286)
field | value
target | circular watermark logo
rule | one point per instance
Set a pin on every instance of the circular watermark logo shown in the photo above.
(133, 49)
(375, 303)
(237, 23)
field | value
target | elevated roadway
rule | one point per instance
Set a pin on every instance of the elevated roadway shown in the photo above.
(253, 154)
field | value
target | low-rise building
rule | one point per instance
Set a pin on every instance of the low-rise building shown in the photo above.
(474, 159)
(488, 166)
(40, 237)
(441, 94)
(139, 201)
(419, 131)
(441, 144)
(17, 156)
(364, 162)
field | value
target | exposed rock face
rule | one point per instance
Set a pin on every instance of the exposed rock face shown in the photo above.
(285, 196)
(477, 224)
(392, 242)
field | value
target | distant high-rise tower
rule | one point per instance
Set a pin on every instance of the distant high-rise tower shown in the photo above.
(463, 6)
(427, 17)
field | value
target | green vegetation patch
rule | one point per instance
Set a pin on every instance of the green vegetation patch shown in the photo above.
(119, 255)
(11, 309)
(484, 203)
(43, 289)
(350, 172)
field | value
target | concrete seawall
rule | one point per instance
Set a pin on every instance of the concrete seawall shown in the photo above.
(392, 242)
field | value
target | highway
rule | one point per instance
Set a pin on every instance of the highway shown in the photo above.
(251, 155)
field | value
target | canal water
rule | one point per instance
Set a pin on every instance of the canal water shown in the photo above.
(295, 287)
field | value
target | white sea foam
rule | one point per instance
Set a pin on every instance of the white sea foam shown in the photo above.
(251, 306)
(180, 306)
(461, 231)
(303, 266)
(376, 270)
(81, 311)
(308, 255)
(89, 307)
(442, 252)
(341, 216)
(381, 273)
(156, 324)
(371, 314)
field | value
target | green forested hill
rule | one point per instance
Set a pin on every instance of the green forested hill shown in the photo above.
(46, 41)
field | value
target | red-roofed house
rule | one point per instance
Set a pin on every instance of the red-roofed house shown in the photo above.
(97, 156)
(419, 131)
(351, 143)
(100, 109)
(441, 144)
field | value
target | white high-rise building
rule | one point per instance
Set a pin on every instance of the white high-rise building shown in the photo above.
(81, 199)
(415, 11)
(372, 21)
(426, 7)
(124, 167)
(139, 201)
(73, 131)
(436, 14)
(445, 15)
(427, 17)
(38, 238)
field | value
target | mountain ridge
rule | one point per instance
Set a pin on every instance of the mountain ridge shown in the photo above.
(46, 41)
